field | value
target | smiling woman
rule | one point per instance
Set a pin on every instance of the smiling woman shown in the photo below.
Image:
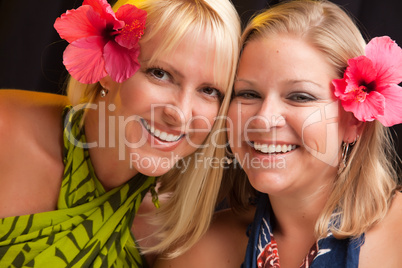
(75, 171)
(317, 185)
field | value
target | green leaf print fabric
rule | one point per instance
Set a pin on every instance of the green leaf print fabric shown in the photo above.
(90, 228)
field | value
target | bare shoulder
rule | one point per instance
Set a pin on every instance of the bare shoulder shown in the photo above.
(31, 149)
(383, 244)
(224, 245)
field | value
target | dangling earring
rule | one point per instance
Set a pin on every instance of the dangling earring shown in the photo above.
(345, 151)
(103, 92)
(229, 155)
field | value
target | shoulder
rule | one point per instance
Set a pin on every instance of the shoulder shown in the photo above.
(30, 117)
(30, 142)
(30, 108)
(384, 240)
(224, 245)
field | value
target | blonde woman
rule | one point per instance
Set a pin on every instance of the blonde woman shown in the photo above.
(150, 80)
(307, 123)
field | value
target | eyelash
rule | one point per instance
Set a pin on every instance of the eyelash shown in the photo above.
(301, 97)
(150, 71)
(246, 94)
(218, 95)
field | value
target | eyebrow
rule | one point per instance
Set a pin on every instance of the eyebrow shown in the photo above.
(245, 81)
(304, 81)
(287, 81)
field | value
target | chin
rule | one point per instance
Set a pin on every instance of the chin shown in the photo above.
(153, 170)
(269, 183)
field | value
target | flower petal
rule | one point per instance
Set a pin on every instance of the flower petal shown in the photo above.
(121, 63)
(339, 88)
(359, 72)
(369, 109)
(393, 107)
(84, 60)
(79, 23)
(103, 8)
(134, 19)
(386, 56)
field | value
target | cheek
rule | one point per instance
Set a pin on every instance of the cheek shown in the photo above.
(137, 94)
(314, 127)
(204, 116)
(235, 125)
(314, 138)
(321, 140)
(202, 122)
(232, 121)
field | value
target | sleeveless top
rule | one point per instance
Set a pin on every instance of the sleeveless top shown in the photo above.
(328, 252)
(90, 228)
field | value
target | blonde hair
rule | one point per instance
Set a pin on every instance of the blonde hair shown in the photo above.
(185, 217)
(362, 193)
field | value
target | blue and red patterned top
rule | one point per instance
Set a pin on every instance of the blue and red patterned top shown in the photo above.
(262, 250)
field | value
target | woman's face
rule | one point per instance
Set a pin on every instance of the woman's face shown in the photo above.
(285, 124)
(167, 109)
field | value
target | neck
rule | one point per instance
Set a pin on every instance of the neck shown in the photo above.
(109, 169)
(296, 216)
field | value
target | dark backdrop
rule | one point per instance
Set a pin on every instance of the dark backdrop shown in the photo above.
(31, 51)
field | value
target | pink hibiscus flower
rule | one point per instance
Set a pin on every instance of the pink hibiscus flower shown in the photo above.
(369, 87)
(101, 42)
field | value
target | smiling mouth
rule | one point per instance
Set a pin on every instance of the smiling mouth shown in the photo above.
(273, 148)
(161, 135)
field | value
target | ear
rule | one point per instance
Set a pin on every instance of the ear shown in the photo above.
(107, 83)
(353, 129)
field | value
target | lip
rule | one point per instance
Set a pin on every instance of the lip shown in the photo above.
(156, 142)
(163, 128)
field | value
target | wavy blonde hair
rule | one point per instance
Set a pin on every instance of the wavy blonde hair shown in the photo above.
(362, 192)
(185, 217)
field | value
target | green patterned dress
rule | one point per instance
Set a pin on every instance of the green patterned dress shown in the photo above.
(90, 228)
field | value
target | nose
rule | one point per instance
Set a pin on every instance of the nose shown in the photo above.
(180, 110)
(269, 116)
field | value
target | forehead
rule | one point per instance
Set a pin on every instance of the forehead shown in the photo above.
(163, 44)
(282, 57)
(192, 47)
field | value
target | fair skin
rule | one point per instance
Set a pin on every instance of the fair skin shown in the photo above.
(181, 83)
(164, 95)
(281, 84)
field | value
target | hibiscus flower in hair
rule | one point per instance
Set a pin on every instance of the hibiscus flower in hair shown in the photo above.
(101, 42)
(369, 88)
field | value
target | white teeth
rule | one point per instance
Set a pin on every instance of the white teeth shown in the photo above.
(271, 148)
(161, 134)
(170, 137)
